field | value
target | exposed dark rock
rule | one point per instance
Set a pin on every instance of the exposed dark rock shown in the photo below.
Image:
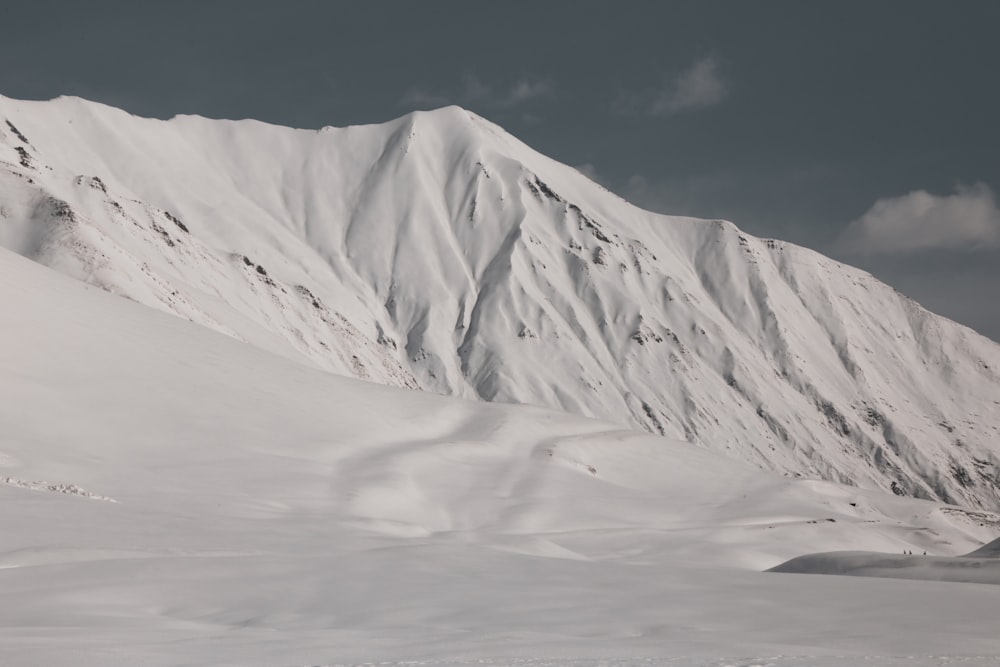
(17, 133)
(834, 418)
(176, 221)
(648, 409)
(546, 190)
(961, 475)
(60, 209)
(163, 234)
(873, 417)
(312, 298)
(23, 157)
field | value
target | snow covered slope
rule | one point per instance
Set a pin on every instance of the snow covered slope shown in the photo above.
(173, 497)
(436, 251)
(981, 566)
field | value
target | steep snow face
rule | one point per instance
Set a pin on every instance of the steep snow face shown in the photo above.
(436, 251)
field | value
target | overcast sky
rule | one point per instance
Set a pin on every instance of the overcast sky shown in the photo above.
(865, 130)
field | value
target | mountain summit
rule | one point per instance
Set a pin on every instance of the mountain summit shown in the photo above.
(437, 252)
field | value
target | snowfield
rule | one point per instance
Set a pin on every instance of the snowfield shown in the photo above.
(436, 251)
(269, 513)
(244, 461)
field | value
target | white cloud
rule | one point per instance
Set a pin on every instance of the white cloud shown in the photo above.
(524, 90)
(967, 219)
(699, 86)
(474, 91)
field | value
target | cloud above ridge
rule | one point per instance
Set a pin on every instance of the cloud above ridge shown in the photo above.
(967, 219)
(699, 86)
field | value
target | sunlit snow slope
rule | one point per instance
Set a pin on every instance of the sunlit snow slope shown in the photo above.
(436, 251)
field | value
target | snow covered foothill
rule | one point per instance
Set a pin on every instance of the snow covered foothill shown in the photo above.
(269, 513)
(981, 566)
(436, 251)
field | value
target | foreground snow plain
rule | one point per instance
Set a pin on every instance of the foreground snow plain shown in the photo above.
(172, 496)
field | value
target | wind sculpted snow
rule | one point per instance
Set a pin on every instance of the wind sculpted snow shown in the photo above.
(436, 251)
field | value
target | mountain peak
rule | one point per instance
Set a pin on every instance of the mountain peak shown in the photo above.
(437, 251)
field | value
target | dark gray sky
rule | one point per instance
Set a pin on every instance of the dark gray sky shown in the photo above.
(865, 130)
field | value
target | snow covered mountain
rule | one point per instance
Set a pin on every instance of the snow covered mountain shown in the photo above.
(436, 251)
(175, 497)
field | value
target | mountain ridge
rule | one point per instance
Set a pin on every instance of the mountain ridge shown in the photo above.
(436, 251)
